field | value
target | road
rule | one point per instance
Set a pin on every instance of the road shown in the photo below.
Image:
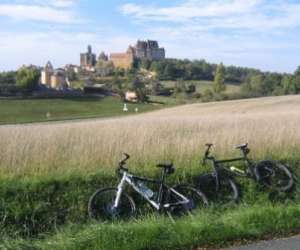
(292, 243)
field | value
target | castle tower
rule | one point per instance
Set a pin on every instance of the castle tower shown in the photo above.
(46, 74)
(88, 59)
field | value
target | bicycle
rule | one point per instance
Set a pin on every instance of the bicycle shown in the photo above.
(271, 174)
(115, 203)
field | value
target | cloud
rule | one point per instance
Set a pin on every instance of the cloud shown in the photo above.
(57, 46)
(225, 14)
(62, 3)
(54, 11)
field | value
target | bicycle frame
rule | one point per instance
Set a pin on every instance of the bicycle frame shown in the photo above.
(217, 164)
(248, 172)
(157, 204)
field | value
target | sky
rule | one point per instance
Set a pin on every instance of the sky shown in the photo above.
(263, 34)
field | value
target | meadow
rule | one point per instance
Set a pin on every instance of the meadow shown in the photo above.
(49, 170)
(43, 110)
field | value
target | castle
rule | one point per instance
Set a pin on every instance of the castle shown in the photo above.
(149, 50)
(142, 50)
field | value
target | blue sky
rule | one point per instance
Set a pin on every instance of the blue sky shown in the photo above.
(264, 34)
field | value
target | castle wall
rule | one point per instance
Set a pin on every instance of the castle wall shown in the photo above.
(122, 60)
(46, 78)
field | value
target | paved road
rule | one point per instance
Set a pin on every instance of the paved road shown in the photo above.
(292, 243)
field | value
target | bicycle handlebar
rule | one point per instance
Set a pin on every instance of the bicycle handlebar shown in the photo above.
(123, 162)
(207, 152)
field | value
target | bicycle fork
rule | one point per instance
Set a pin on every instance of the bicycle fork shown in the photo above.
(120, 191)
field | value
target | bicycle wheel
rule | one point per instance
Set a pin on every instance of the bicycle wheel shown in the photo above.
(101, 203)
(226, 193)
(197, 199)
(274, 175)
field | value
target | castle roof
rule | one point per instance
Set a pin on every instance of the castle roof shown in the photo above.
(49, 66)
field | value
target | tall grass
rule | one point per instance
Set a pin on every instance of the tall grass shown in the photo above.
(270, 125)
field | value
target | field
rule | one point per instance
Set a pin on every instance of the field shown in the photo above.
(201, 86)
(48, 172)
(40, 110)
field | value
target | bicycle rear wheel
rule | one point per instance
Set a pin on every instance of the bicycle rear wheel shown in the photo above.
(101, 205)
(274, 175)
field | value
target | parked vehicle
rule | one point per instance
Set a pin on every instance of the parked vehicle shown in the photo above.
(220, 182)
(115, 203)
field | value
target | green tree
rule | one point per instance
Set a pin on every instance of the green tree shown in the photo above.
(27, 79)
(297, 72)
(219, 82)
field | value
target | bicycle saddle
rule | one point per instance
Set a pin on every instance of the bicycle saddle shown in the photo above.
(165, 165)
(242, 146)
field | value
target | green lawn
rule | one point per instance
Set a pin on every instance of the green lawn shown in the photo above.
(41, 110)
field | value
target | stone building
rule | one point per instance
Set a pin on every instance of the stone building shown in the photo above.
(104, 67)
(142, 50)
(46, 74)
(149, 50)
(123, 60)
(88, 59)
(55, 79)
(59, 80)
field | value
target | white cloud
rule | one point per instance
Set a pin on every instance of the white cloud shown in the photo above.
(54, 11)
(230, 14)
(62, 3)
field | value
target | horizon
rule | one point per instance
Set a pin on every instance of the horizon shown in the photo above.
(260, 34)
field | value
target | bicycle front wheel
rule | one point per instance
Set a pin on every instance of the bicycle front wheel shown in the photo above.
(197, 199)
(101, 205)
(226, 192)
(274, 175)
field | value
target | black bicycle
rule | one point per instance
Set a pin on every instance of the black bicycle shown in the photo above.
(115, 203)
(271, 174)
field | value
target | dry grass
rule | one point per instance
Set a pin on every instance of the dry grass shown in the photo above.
(268, 124)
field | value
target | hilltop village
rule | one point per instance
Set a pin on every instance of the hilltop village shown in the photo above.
(101, 66)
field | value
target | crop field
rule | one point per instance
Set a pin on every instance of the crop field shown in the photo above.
(270, 125)
(48, 171)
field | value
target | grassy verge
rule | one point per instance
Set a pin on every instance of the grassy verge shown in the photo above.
(207, 228)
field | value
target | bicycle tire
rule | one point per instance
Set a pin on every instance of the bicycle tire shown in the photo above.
(103, 211)
(228, 191)
(267, 172)
(197, 199)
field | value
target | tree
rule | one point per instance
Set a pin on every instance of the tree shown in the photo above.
(219, 82)
(297, 72)
(27, 79)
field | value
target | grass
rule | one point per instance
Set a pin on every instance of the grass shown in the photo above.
(40, 110)
(201, 86)
(48, 172)
(213, 227)
(270, 125)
